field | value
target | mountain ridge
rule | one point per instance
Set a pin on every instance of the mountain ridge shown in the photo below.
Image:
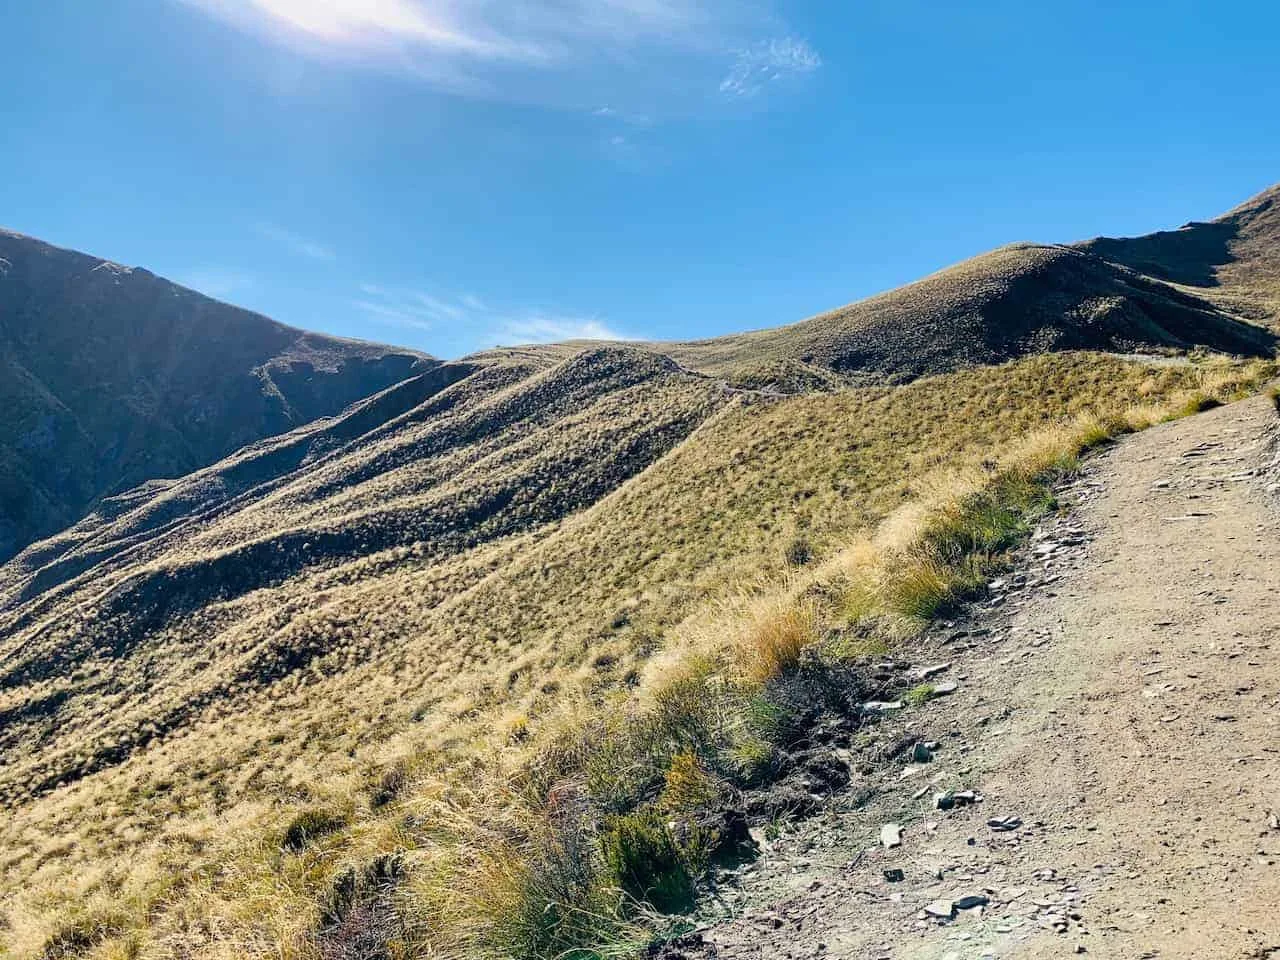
(114, 376)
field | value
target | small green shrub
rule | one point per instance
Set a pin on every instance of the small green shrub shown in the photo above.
(549, 897)
(1198, 403)
(644, 859)
(688, 785)
(919, 695)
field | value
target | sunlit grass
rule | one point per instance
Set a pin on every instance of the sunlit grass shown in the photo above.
(621, 662)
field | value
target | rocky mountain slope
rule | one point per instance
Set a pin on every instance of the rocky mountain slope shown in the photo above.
(111, 376)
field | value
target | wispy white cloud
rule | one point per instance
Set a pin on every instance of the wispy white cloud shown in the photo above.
(766, 62)
(543, 328)
(301, 246)
(215, 281)
(466, 319)
(632, 50)
(623, 116)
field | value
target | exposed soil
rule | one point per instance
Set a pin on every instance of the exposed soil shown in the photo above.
(1118, 716)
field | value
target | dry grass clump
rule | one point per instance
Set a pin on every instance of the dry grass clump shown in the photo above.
(777, 631)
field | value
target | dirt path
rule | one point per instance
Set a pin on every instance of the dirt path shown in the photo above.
(1119, 700)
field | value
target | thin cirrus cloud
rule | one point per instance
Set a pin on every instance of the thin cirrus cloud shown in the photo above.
(467, 322)
(767, 62)
(295, 244)
(539, 49)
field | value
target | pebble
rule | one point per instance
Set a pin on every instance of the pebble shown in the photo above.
(882, 706)
(1004, 824)
(960, 798)
(924, 673)
(891, 836)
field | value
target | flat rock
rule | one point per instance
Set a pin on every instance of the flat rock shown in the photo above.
(882, 706)
(941, 910)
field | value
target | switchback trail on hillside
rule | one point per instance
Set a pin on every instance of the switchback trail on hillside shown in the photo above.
(1117, 714)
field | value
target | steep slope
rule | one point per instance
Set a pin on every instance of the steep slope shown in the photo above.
(1233, 260)
(517, 543)
(1134, 742)
(203, 590)
(1012, 302)
(111, 376)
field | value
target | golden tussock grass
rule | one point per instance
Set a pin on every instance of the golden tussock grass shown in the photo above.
(587, 666)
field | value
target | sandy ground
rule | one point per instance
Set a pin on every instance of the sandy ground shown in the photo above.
(1118, 700)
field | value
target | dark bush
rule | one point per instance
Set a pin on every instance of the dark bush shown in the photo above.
(389, 786)
(644, 859)
(310, 825)
(358, 917)
(799, 552)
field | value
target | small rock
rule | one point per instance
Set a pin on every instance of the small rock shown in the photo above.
(958, 798)
(894, 875)
(924, 673)
(882, 706)
(944, 688)
(971, 901)
(941, 910)
(921, 754)
(891, 836)
(1004, 824)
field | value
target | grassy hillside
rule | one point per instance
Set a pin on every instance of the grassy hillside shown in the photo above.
(1015, 301)
(169, 714)
(111, 376)
(420, 678)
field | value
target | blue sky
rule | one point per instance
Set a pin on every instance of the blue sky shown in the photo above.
(449, 174)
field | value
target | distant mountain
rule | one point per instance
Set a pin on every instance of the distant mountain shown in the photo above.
(111, 376)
